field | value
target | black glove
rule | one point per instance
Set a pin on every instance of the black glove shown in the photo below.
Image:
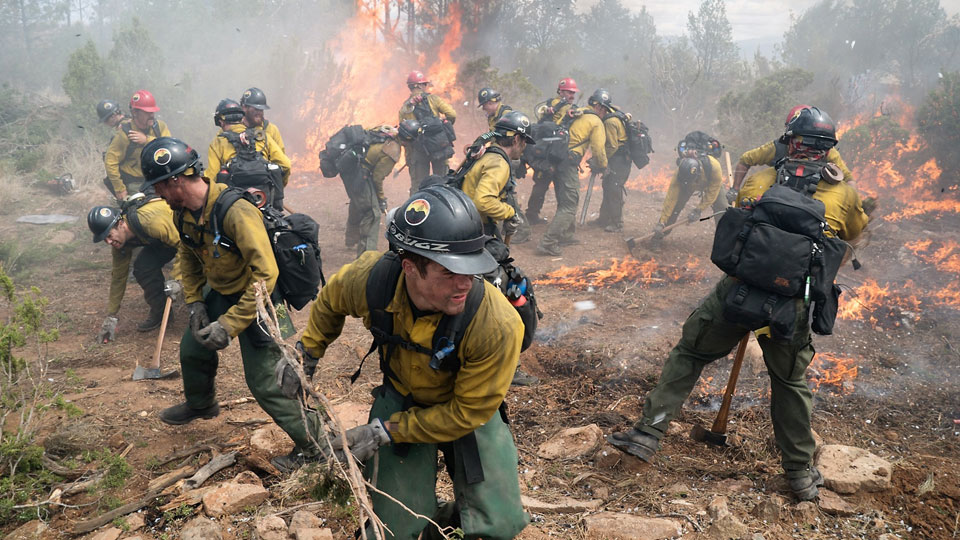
(869, 205)
(694, 215)
(512, 225)
(309, 361)
(213, 336)
(383, 206)
(363, 440)
(198, 316)
(732, 195)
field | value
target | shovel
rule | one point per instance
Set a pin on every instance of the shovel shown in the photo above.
(718, 434)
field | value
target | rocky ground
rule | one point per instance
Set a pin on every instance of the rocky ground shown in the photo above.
(888, 427)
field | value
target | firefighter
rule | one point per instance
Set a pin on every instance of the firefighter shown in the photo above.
(229, 116)
(697, 171)
(618, 158)
(145, 222)
(122, 159)
(435, 142)
(218, 287)
(491, 103)
(586, 130)
(553, 110)
(709, 335)
(437, 250)
(772, 152)
(254, 102)
(109, 113)
(367, 201)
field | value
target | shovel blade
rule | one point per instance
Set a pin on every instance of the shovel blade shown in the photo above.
(702, 434)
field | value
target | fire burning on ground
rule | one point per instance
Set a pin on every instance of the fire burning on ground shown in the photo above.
(628, 270)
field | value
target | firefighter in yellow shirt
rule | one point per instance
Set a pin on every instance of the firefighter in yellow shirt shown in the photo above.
(271, 177)
(553, 110)
(618, 158)
(491, 103)
(365, 188)
(122, 159)
(434, 146)
(586, 131)
(254, 102)
(428, 401)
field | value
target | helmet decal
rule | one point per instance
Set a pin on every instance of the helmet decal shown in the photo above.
(136, 97)
(108, 105)
(247, 94)
(162, 156)
(416, 212)
(105, 212)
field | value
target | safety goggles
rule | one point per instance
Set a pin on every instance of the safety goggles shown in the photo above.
(816, 143)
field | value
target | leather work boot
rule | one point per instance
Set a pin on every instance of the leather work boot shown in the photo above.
(613, 228)
(804, 483)
(153, 320)
(635, 443)
(537, 220)
(183, 414)
(551, 250)
(522, 378)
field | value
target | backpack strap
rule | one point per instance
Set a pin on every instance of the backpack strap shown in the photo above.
(779, 155)
(247, 150)
(422, 109)
(133, 219)
(218, 214)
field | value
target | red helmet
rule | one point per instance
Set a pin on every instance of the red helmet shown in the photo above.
(144, 101)
(568, 84)
(417, 77)
(794, 112)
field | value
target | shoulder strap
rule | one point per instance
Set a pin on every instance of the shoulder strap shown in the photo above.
(156, 129)
(133, 219)
(780, 153)
(422, 109)
(127, 127)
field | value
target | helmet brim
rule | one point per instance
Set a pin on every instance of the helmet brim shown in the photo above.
(263, 107)
(104, 233)
(148, 109)
(479, 262)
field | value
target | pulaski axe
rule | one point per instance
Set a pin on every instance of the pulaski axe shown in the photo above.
(718, 434)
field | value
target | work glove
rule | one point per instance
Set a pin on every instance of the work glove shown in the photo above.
(512, 225)
(213, 336)
(309, 361)
(363, 441)
(694, 215)
(198, 316)
(732, 195)
(173, 289)
(416, 99)
(383, 206)
(869, 205)
(108, 330)
(549, 110)
(658, 232)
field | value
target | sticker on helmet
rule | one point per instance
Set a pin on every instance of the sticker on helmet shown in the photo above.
(105, 212)
(108, 105)
(524, 121)
(247, 94)
(162, 156)
(136, 97)
(416, 212)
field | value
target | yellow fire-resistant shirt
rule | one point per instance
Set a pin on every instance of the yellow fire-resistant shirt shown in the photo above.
(221, 151)
(498, 114)
(588, 131)
(457, 403)
(708, 186)
(123, 157)
(380, 160)
(485, 184)
(616, 134)
(560, 108)
(843, 210)
(156, 219)
(273, 132)
(437, 105)
(230, 272)
(765, 154)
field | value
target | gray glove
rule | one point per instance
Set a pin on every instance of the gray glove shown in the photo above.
(198, 316)
(658, 233)
(173, 289)
(732, 195)
(512, 225)
(309, 361)
(213, 336)
(108, 330)
(694, 215)
(363, 440)
(383, 206)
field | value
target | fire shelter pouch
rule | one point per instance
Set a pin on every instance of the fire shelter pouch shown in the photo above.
(775, 260)
(755, 308)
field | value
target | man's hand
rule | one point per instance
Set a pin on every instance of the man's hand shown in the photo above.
(869, 205)
(121, 196)
(136, 137)
(694, 215)
(213, 336)
(309, 361)
(108, 330)
(173, 289)
(512, 225)
(383, 206)
(416, 99)
(363, 441)
(198, 316)
(732, 195)
(658, 233)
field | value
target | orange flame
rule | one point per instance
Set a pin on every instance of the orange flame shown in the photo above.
(628, 270)
(832, 371)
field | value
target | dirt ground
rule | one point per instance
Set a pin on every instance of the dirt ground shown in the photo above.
(595, 366)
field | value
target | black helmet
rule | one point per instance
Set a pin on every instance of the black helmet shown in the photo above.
(228, 111)
(815, 126)
(165, 157)
(107, 108)
(101, 220)
(409, 130)
(601, 97)
(254, 97)
(441, 223)
(515, 123)
(487, 94)
(688, 170)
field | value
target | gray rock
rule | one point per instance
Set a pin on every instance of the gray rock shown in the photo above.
(30, 530)
(109, 533)
(201, 528)
(847, 470)
(271, 528)
(303, 519)
(615, 526)
(718, 508)
(834, 505)
(314, 534)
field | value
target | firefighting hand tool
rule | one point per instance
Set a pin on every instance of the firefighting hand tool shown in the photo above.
(717, 435)
(726, 158)
(586, 198)
(364, 441)
(396, 173)
(155, 364)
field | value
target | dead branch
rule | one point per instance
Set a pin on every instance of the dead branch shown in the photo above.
(235, 402)
(174, 475)
(219, 462)
(95, 523)
(188, 452)
(60, 470)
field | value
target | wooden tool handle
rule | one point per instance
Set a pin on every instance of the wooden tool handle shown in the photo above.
(163, 330)
(720, 424)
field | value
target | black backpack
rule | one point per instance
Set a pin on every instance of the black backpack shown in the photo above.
(517, 287)
(292, 237)
(552, 146)
(474, 152)
(778, 250)
(344, 152)
(249, 169)
(639, 143)
(436, 136)
(133, 218)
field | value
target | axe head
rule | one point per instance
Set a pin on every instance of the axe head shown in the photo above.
(702, 434)
(631, 243)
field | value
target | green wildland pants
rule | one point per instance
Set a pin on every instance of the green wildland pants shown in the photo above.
(363, 215)
(260, 356)
(566, 186)
(706, 337)
(488, 509)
